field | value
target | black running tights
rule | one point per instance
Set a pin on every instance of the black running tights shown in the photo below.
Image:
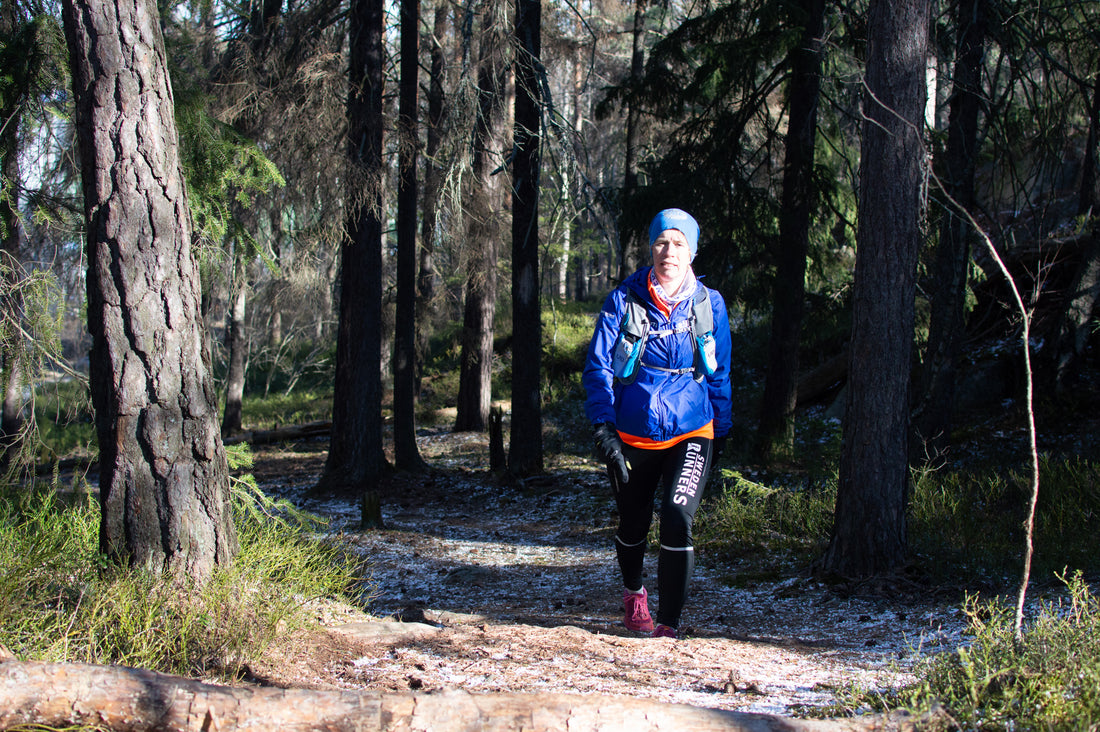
(680, 472)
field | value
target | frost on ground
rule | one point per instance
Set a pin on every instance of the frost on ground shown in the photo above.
(514, 588)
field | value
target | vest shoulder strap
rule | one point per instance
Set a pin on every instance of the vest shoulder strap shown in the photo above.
(635, 312)
(704, 316)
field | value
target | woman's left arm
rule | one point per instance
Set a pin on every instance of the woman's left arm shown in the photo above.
(718, 383)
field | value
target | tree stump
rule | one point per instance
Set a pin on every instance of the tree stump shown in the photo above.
(497, 456)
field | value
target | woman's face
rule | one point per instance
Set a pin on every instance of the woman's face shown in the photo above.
(671, 259)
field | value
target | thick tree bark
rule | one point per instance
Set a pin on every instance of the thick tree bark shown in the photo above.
(946, 328)
(406, 454)
(869, 534)
(134, 700)
(164, 481)
(525, 445)
(356, 461)
(775, 438)
(483, 231)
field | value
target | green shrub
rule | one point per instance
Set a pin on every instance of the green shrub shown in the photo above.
(295, 365)
(966, 524)
(1067, 514)
(61, 601)
(444, 349)
(963, 525)
(1049, 679)
(64, 421)
(970, 523)
(438, 392)
(299, 407)
(740, 517)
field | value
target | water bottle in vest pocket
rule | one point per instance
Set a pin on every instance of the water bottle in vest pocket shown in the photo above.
(627, 353)
(707, 355)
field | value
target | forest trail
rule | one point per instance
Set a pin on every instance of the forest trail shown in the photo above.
(514, 588)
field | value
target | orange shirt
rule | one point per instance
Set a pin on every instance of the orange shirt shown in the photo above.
(645, 443)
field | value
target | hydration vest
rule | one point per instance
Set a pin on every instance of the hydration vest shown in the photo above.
(634, 332)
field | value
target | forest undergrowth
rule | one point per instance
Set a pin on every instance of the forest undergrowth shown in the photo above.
(62, 601)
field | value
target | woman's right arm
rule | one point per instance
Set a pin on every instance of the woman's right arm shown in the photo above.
(598, 378)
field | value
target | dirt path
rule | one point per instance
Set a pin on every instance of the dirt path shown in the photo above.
(514, 588)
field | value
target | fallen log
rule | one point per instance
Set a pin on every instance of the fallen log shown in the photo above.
(823, 380)
(135, 700)
(288, 433)
(281, 434)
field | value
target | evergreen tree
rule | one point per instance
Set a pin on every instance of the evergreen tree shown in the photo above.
(525, 453)
(869, 534)
(164, 478)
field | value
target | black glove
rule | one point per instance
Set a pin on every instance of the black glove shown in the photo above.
(716, 448)
(609, 448)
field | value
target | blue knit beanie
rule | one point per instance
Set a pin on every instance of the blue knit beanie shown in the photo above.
(674, 218)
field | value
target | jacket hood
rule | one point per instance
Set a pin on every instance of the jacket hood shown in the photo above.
(638, 283)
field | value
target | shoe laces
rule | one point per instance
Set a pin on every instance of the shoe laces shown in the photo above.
(637, 606)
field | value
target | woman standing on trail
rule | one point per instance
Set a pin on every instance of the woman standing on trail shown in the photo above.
(657, 378)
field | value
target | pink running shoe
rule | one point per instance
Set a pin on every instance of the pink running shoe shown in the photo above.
(665, 631)
(637, 616)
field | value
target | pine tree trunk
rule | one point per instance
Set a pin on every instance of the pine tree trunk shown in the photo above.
(356, 461)
(406, 454)
(11, 416)
(580, 274)
(525, 445)
(484, 200)
(573, 259)
(634, 250)
(15, 385)
(164, 480)
(476, 367)
(433, 182)
(869, 535)
(947, 299)
(235, 344)
(11, 233)
(776, 434)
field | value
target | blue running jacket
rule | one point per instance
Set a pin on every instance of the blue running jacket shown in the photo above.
(660, 404)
